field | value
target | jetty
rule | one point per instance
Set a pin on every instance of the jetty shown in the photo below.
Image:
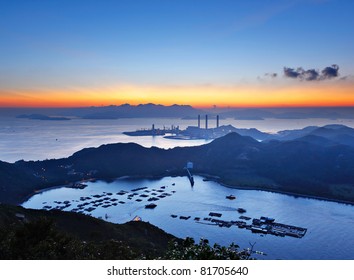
(189, 174)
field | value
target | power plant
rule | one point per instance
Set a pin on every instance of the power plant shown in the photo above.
(191, 132)
(206, 121)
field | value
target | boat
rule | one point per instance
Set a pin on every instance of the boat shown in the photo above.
(231, 197)
(241, 210)
(150, 206)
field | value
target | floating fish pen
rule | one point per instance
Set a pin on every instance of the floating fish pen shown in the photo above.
(280, 229)
(150, 206)
(268, 226)
(184, 217)
(264, 225)
(121, 193)
(139, 189)
(79, 186)
(214, 214)
(245, 218)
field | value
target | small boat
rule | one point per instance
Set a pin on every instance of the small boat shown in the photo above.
(241, 210)
(231, 197)
(150, 206)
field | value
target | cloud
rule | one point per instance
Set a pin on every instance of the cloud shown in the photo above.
(330, 72)
(292, 73)
(271, 75)
(312, 74)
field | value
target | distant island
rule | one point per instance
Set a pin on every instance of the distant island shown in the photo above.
(42, 117)
(317, 163)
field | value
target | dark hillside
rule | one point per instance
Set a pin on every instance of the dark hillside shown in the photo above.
(87, 236)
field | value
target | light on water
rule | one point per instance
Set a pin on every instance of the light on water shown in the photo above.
(329, 225)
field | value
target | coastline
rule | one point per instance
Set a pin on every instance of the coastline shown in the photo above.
(209, 177)
(286, 193)
(27, 197)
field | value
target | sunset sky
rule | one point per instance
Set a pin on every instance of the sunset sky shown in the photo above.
(200, 52)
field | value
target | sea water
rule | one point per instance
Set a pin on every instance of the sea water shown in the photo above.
(330, 225)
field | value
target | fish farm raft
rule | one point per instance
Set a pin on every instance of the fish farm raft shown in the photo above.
(264, 225)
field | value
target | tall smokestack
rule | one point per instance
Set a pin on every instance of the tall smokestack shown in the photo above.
(217, 121)
(198, 121)
(206, 121)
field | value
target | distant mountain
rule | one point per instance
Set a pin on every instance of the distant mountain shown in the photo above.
(184, 111)
(141, 111)
(305, 166)
(42, 117)
(333, 134)
(289, 113)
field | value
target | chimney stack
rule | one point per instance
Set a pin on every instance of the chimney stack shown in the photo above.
(198, 121)
(206, 121)
(217, 121)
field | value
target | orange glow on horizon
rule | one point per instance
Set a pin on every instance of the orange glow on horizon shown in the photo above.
(314, 95)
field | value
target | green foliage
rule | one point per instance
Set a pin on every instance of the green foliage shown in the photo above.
(40, 240)
(189, 250)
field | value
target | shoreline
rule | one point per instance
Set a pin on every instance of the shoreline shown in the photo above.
(217, 179)
(209, 177)
(285, 193)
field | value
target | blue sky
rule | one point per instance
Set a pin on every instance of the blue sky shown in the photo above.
(63, 44)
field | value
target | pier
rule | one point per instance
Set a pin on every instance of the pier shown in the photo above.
(189, 174)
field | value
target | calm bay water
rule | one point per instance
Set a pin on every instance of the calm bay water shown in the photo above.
(330, 225)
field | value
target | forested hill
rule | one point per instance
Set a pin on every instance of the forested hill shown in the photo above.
(296, 166)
